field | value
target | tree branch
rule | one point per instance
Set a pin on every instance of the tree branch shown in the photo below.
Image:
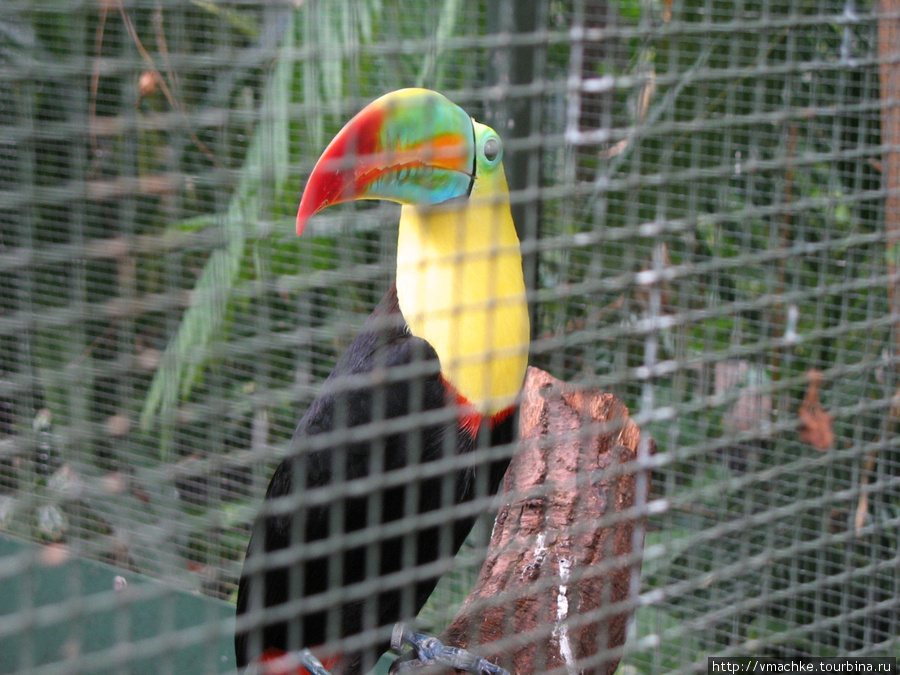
(561, 576)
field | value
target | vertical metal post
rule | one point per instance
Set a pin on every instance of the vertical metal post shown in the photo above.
(516, 116)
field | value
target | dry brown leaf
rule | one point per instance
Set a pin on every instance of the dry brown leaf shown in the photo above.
(815, 423)
(148, 83)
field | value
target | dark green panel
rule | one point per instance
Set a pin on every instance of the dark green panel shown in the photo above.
(51, 612)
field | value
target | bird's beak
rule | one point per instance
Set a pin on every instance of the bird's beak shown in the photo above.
(412, 146)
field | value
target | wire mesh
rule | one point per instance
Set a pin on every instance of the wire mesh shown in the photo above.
(705, 191)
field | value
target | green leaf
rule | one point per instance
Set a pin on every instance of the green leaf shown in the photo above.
(445, 28)
(264, 175)
(243, 22)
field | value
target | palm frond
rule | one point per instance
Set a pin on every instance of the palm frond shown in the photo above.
(263, 176)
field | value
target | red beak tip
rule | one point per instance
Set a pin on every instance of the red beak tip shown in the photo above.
(304, 213)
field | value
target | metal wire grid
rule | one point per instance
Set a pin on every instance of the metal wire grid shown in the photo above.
(707, 177)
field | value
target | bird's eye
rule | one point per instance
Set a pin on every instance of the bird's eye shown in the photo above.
(491, 149)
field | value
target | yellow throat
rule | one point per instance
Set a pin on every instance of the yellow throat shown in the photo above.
(461, 288)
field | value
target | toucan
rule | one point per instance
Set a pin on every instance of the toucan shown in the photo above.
(379, 482)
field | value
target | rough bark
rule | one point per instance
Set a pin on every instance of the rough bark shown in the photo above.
(558, 585)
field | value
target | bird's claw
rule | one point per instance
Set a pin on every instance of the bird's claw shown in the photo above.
(430, 652)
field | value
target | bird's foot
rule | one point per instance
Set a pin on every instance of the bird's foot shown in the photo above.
(428, 651)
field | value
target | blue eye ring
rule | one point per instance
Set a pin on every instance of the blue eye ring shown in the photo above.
(492, 149)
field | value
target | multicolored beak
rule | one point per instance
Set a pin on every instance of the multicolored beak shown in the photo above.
(412, 146)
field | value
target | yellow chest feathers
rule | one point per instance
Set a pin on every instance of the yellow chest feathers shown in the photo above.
(461, 288)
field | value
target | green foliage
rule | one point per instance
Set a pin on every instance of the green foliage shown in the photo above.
(759, 226)
(335, 31)
(263, 180)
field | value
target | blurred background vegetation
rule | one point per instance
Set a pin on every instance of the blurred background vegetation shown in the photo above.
(701, 201)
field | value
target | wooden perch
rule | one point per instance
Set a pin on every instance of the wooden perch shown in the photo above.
(561, 575)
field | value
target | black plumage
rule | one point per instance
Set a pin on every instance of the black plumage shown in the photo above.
(350, 400)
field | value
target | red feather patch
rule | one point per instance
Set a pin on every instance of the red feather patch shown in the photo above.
(469, 417)
(273, 662)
